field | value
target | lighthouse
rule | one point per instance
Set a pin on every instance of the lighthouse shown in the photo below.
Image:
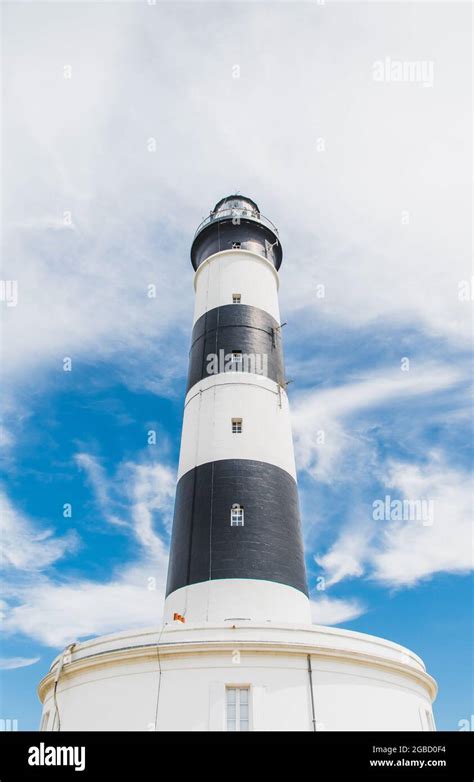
(236, 549)
(236, 649)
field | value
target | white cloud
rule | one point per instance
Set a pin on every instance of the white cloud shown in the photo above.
(347, 557)
(6, 437)
(71, 146)
(334, 611)
(57, 611)
(99, 482)
(326, 411)
(56, 614)
(139, 490)
(10, 663)
(404, 552)
(26, 546)
(153, 488)
(410, 551)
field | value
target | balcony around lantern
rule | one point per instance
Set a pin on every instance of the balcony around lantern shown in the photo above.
(237, 214)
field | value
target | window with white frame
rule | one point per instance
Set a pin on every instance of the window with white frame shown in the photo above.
(236, 361)
(237, 703)
(236, 298)
(236, 515)
(236, 426)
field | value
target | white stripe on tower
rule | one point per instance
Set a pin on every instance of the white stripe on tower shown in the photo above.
(225, 274)
(258, 402)
(236, 445)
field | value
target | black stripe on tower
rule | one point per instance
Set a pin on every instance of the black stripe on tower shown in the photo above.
(223, 233)
(205, 546)
(236, 327)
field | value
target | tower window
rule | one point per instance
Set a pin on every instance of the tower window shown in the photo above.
(236, 426)
(236, 298)
(236, 245)
(237, 701)
(236, 516)
(236, 361)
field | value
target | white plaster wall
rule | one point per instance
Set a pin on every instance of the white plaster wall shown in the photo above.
(207, 423)
(352, 691)
(236, 271)
(192, 695)
(349, 697)
(220, 600)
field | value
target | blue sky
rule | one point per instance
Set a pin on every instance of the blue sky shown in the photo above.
(378, 216)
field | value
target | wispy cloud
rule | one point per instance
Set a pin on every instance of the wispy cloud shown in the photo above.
(29, 547)
(10, 663)
(333, 611)
(100, 485)
(408, 551)
(6, 437)
(138, 490)
(322, 437)
(152, 489)
(347, 556)
(346, 459)
(54, 610)
(55, 614)
(402, 552)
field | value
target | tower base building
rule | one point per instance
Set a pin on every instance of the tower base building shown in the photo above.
(237, 650)
(236, 675)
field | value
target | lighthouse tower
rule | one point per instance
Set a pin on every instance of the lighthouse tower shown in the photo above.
(236, 649)
(236, 550)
